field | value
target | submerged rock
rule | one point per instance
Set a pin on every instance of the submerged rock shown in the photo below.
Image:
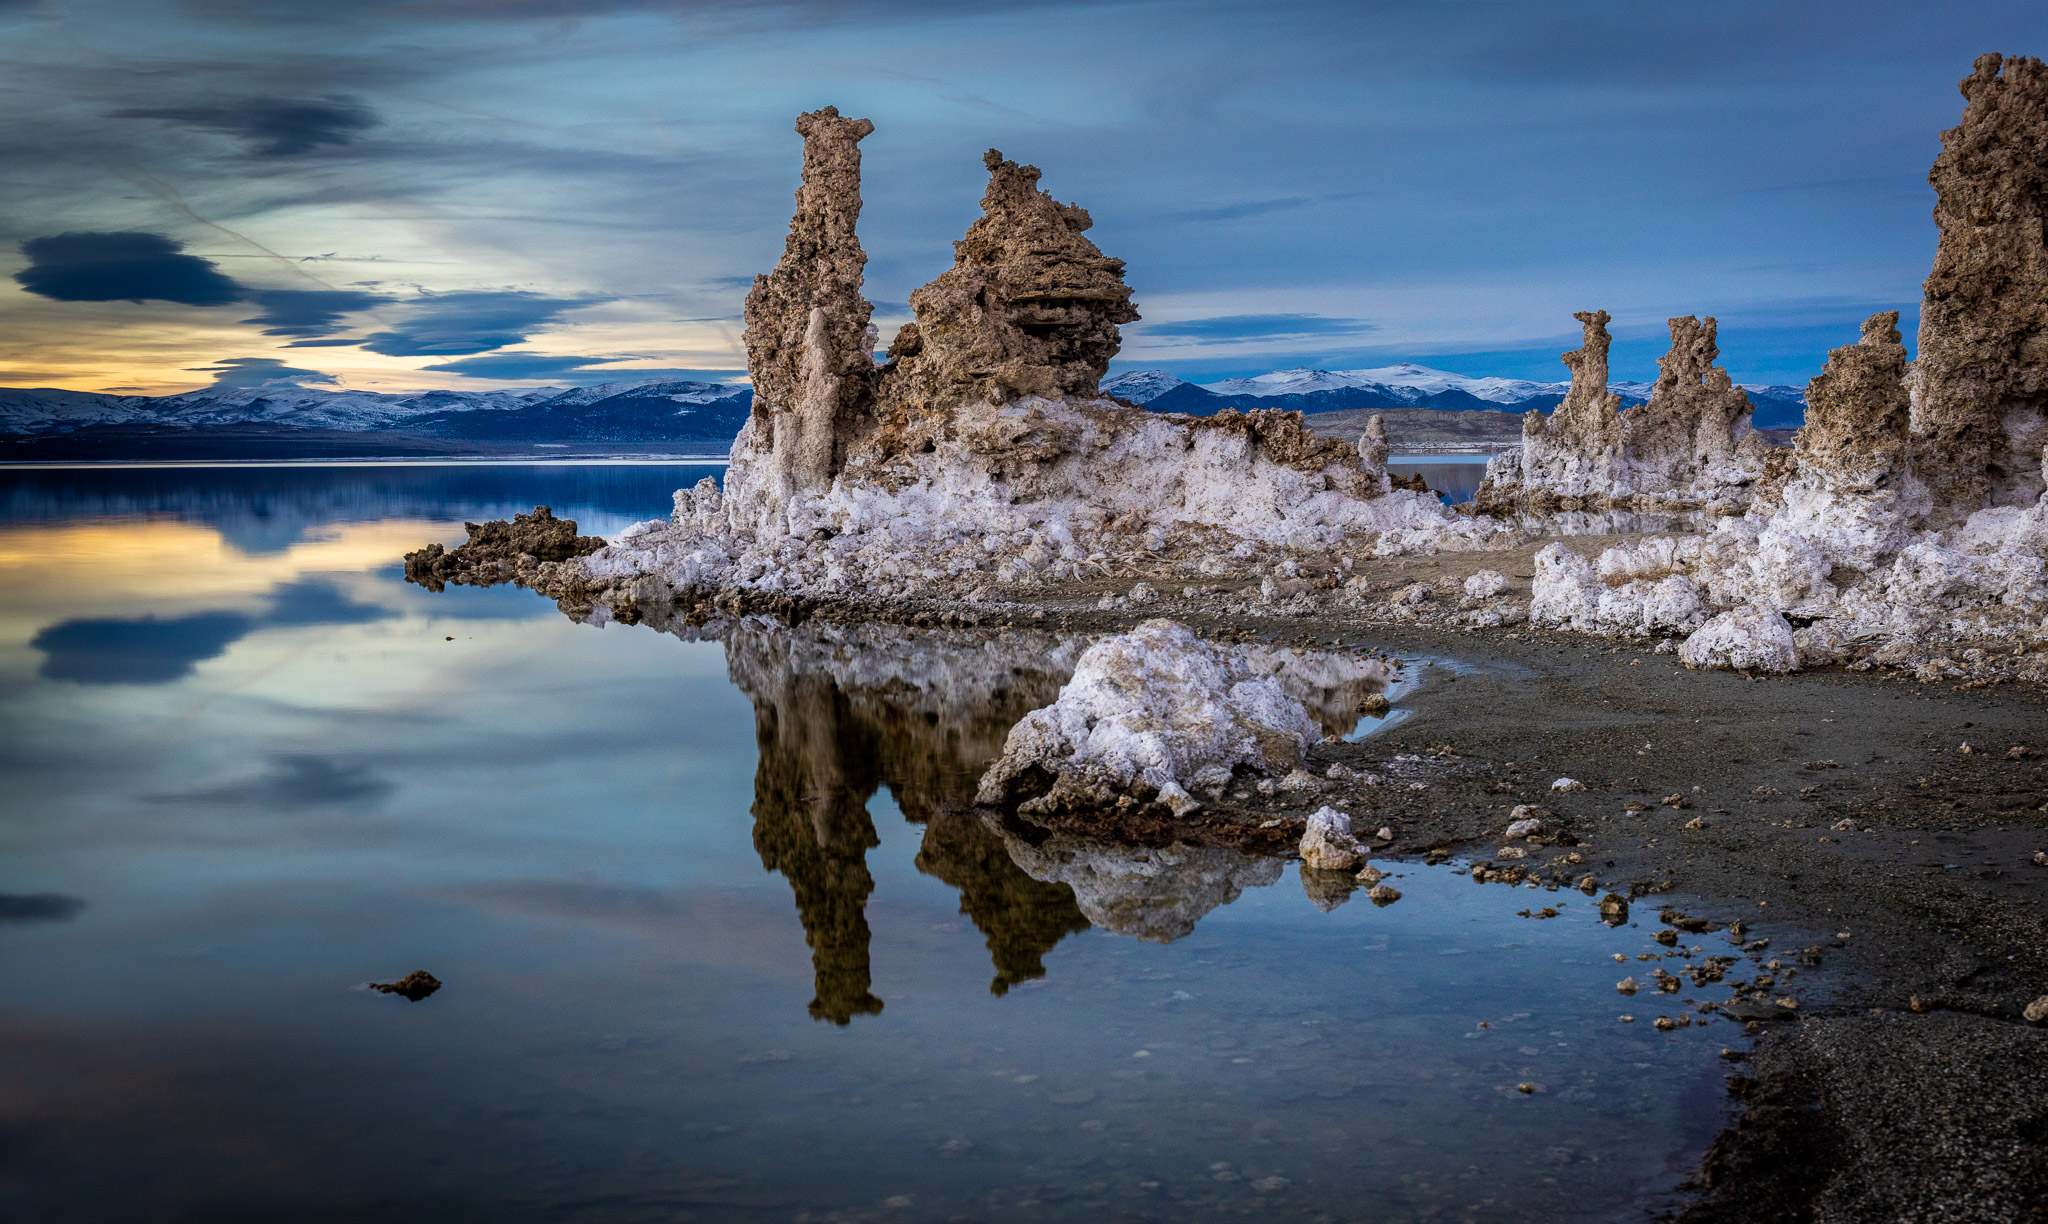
(412, 987)
(499, 551)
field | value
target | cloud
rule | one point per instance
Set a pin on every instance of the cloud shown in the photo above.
(314, 601)
(141, 651)
(274, 127)
(256, 371)
(1257, 327)
(38, 907)
(457, 324)
(309, 312)
(112, 267)
(152, 651)
(296, 781)
(585, 370)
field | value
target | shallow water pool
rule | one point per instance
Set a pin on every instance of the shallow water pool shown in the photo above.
(718, 939)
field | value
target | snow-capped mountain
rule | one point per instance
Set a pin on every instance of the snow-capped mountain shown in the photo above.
(1406, 381)
(1139, 386)
(56, 411)
(1398, 386)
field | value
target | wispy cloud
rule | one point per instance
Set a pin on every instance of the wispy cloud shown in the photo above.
(273, 127)
(1257, 327)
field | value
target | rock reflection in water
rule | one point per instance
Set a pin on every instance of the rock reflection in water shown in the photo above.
(1155, 893)
(841, 712)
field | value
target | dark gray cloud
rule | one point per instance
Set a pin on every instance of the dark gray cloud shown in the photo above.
(308, 312)
(255, 371)
(296, 781)
(149, 650)
(1258, 327)
(141, 651)
(273, 127)
(458, 324)
(38, 907)
(128, 266)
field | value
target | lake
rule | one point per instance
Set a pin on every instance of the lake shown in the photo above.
(718, 938)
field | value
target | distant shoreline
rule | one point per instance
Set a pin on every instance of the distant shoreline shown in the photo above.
(58, 465)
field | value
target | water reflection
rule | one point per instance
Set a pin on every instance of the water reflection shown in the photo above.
(840, 713)
(152, 650)
(567, 826)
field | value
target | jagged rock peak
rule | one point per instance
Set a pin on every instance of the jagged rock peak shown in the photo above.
(809, 346)
(1981, 406)
(1590, 414)
(1030, 306)
(1856, 408)
(1696, 415)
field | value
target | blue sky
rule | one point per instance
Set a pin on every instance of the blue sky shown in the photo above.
(471, 194)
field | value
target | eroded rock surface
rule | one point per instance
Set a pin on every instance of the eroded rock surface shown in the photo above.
(498, 551)
(1980, 407)
(1030, 306)
(1690, 446)
(809, 345)
(1152, 716)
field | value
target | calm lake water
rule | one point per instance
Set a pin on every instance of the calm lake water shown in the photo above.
(717, 941)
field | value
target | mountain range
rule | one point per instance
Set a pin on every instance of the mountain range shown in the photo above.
(1400, 386)
(281, 420)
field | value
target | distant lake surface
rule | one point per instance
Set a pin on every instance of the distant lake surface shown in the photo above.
(718, 938)
(1455, 477)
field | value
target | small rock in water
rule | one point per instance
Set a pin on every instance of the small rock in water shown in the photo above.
(1370, 875)
(412, 987)
(1665, 1024)
(1626, 986)
(1327, 843)
(1375, 706)
(1383, 894)
(1614, 909)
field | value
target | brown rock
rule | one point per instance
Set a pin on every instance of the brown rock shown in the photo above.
(1030, 306)
(1858, 412)
(809, 348)
(412, 987)
(493, 551)
(1980, 409)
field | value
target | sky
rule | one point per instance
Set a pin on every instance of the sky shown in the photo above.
(479, 194)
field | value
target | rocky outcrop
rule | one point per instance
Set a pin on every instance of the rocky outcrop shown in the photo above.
(1152, 716)
(1030, 306)
(1980, 406)
(810, 348)
(1690, 446)
(982, 455)
(500, 551)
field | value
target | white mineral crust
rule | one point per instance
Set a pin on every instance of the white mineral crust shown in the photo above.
(1155, 713)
